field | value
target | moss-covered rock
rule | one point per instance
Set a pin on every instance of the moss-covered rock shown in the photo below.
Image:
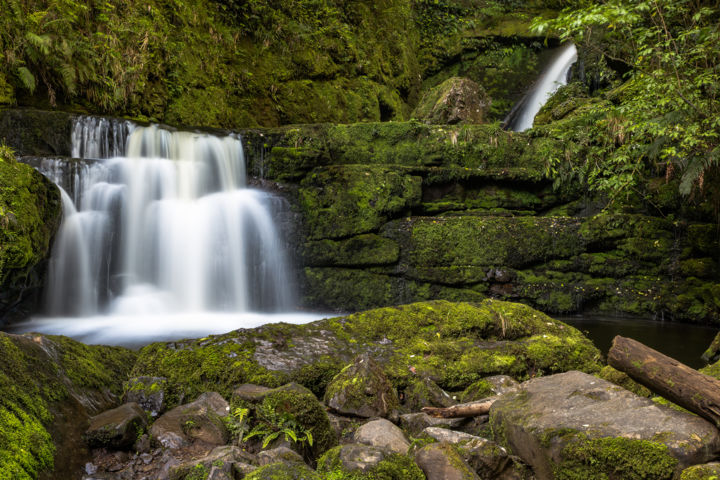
(295, 407)
(363, 390)
(454, 344)
(30, 214)
(352, 199)
(39, 420)
(709, 471)
(359, 251)
(283, 471)
(456, 100)
(574, 425)
(335, 464)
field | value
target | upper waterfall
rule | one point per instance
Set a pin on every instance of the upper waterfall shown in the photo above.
(553, 77)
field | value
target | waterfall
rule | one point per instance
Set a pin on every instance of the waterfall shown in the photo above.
(553, 77)
(160, 222)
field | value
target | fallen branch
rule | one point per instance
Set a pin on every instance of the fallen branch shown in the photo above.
(682, 385)
(472, 409)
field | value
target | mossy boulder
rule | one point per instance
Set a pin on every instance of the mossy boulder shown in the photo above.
(360, 462)
(573, 424)
(456, 100)
(441, 460)
(49, 388)
(709, 471)
(363, 390)
(30, 214)
(292, 404)
(339, 201)
(454, 344)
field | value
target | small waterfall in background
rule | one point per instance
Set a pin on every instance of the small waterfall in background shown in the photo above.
(161, 234)
(553, 77)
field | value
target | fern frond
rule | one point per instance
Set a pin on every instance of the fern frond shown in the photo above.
(41, 42)
(27, 78)
(67, 72)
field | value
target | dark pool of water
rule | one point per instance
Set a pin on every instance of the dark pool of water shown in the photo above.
(683, 342)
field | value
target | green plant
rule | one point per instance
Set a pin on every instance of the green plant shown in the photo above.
(271, 425)
(237, 422)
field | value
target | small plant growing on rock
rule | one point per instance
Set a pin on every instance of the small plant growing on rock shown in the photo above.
(273, 424)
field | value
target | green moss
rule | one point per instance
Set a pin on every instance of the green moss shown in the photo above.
(358, 251)
(701, 472)
(307, 411)
(477, 391)
(565, 100)
(392, 467)
(625, 458)
(36, 377)
(346, 200)
(485, 241)
(192, 366)
(282, 471)
(29, 216)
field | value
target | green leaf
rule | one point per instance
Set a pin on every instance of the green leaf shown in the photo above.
(27, 78)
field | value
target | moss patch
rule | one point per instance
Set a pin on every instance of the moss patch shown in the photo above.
(392, 467)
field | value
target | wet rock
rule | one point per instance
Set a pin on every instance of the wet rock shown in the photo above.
(577, 422)
(362, 389)
(148, 392)
(201, 419)
(417, 422)
(456, 100)
(440, 461)
(142, 444)
(279, 455)
(342, 426)
(117, 428)
(423, 392)
(382, 434)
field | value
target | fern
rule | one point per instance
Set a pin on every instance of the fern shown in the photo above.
(40, 42)
(27, 78)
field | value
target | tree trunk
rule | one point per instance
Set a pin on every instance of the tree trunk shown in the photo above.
(692, 390)
(472, 409)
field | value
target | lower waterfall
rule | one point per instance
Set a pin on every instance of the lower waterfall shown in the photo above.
(161, 237)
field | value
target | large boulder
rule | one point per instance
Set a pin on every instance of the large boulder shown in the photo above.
(198, 420)
(456, 100)
(486, 457)
(574, 422)
(453, 344)
(363, 390)
(117, 428)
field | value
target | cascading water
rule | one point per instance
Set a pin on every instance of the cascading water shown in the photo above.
(552, 78)
(161, 232)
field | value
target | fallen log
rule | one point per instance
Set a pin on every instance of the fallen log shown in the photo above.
(682, 385)
(472, 409)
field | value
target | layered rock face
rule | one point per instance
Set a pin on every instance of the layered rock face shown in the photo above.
(30, 214)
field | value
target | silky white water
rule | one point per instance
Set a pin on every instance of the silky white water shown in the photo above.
(552, 78)
(161, 239)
